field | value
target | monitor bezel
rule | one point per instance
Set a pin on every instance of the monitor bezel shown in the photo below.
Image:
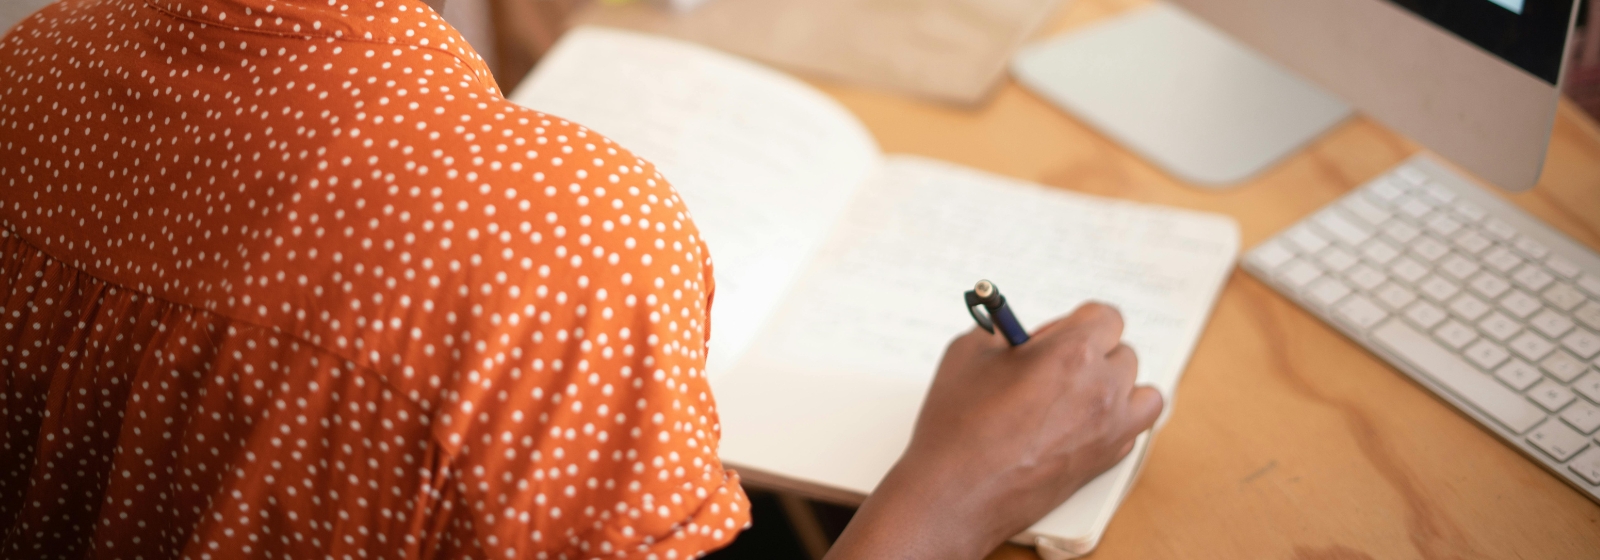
(1534, 40)
(1480, 111)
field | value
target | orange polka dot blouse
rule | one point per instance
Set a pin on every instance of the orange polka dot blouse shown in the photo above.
(290, 279)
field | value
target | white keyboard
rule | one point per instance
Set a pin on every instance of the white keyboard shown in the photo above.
(1481, 303)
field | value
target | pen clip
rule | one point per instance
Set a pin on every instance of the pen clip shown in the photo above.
(980, 314)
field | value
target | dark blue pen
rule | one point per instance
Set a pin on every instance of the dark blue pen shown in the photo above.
(995, 312)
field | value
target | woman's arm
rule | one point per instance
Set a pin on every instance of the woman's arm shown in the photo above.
(1006, 435)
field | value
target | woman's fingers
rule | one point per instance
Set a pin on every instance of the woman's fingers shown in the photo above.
(1144, 402)
(976, 338)
(1124, 364)
(1144, 407)
(1100, 325)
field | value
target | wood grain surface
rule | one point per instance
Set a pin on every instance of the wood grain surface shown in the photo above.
(1288, 440)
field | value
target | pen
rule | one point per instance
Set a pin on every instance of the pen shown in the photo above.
(995, 312)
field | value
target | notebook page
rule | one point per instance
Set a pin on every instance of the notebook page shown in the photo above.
(765, 163)
(924, 231)
(875, 309)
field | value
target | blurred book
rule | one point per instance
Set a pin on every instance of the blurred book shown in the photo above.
(954, 51)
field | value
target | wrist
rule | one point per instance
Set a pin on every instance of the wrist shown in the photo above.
(922, 510)
(957, 500)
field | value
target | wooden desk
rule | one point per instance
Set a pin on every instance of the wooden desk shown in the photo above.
(1288, 441)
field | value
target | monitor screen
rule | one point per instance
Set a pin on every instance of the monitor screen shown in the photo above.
(1531, 34)
(1513, 5)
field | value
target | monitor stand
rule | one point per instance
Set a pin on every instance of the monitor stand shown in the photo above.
(1180, 93)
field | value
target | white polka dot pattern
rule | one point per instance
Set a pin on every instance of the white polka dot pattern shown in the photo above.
(290, 279)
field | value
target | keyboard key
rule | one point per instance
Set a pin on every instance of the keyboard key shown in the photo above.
(1455, 334)
(1532, 346)
(1518, 374)
(1489, 285)
(1587, 465)
(1361, 312)
(1366, 210)
(1589, 386)
(1438, 193)
(1531, 248)
(1555, 438)
(1395, 296)
(1347, 231)
(1337, 259)
(1472, 242)
(1379, 251)
(1299, 273)
(1429, 249)
(1551, 323)
(1582, 343)
(1551, 395)
(1486, 354)
(1520, 304)
(1563, 296)
(1499, 327)
(1590, 283)
(1468, 307)
(1270, 255)
(1400, 231)
(1458, 267)
(1438, 288)
(1385, 191)
(1424, 314)
(1583, 417)
(1414, 206)
(1563, 366)
(1562, 267)
(1308, 241)
(1589, 314)
(1327, 291)
(1533, 277)
(1443, 224)
(1499, 229)
(1476, 388)
(1365, 276)
(1472, 212)
(1411, 175)
(1408, 269)
(1502, 259)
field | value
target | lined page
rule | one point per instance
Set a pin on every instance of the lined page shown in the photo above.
(885, 297)
(865, 326)
(765, 163)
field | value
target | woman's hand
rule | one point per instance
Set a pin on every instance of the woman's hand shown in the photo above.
(1006, 435)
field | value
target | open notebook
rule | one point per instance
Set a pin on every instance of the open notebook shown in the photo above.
(840, 269)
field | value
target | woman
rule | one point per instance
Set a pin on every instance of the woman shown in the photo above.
(289, 278)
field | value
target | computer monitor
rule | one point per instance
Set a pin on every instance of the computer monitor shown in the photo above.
(1476, 81)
